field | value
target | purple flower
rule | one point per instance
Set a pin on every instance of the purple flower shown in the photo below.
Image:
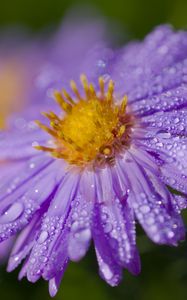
(107, 156)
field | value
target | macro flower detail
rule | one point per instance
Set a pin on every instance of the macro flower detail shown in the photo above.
(108, 158)
(93, 130)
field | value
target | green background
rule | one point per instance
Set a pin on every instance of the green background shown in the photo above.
(138, 16)
(164, 269)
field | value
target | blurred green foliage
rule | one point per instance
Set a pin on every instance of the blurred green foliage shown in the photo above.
(136, 16)
(164, 269)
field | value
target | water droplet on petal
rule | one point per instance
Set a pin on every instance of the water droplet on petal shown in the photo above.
(145, 209)
(170, 234)
(106, 271)
(43, 259)
(74, 226)
(14, 211)
(176, 120)
(43, 236)
(84, 235)
(108, 227)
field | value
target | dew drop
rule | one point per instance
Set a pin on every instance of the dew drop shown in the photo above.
(14, 211)
(32, 165)
(84, 235)
(180, 153)
(172, 181)
(176, 120)
(156, 238)
(106, 271)
(43, 236)
(84, 213)
(170, 234)
(43, 259)
(32, 260)
(74, 226)
(145, 209)
(150, 220)
(104, 216)
(108, 227)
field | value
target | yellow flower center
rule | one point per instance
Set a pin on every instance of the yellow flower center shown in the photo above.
(93, 129)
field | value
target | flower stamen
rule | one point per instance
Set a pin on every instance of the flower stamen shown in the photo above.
(93, 130)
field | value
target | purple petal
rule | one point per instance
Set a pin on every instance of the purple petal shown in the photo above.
(171, 100)
(24, 148)
(54, 283)
(23, 271)
(151, 202)
(25, 240)
(172, 151)
(110, 272)
(117, 220)
(17, 214)
(152, 66)
(80, 219)
(52, 239)
(180, 202)
(108, 268)
(174, 122)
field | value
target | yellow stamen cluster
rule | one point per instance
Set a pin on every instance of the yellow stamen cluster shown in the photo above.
(92, 130)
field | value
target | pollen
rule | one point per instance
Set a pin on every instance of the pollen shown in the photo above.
(92, 129)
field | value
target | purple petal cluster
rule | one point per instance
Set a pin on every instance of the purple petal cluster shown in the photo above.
(59, 210)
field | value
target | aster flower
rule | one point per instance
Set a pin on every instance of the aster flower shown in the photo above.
(106, 158)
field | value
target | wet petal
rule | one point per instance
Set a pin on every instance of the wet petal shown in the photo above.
(117, 220)
(80, 220)
(173, 99)
(17, 214)
(153, 66)
(25, 240)
(109, 270)
(172, 152)
(52, 239)
(174, 122)
(152, 204)
(54, 283)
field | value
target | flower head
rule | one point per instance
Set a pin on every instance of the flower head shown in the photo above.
(93, 131)
(105, 162)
